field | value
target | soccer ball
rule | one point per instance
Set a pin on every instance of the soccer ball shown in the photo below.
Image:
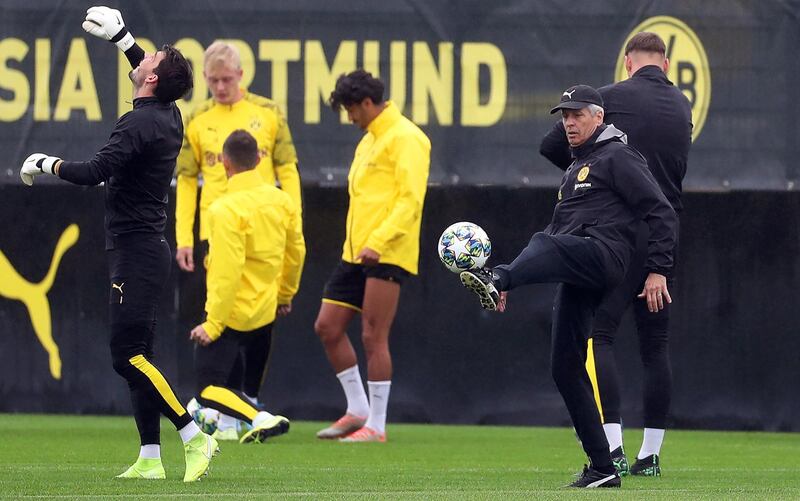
(205, 417)
(464, 246)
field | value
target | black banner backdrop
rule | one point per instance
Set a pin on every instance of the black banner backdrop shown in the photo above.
(479, 77)
(734, 344)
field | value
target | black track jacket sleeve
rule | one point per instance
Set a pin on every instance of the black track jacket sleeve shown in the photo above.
(125, 142)
(555, 146)
(636, 184)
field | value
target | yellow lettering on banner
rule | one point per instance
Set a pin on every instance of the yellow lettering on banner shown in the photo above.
(279, 53)
(433, 83)
(473, 56)
(194, 53)
(77, 86)
(397, 65)
(41, 80)
(372, 57)
(321, 79)
(124, 86)
(15, 81)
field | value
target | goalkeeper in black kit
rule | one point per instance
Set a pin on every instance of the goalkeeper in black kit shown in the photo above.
(136, 165)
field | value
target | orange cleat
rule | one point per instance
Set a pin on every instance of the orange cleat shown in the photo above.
(364, 435)
(345, 425)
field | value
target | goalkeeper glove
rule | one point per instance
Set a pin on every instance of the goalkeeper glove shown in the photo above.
(37, 164)
(107, 24)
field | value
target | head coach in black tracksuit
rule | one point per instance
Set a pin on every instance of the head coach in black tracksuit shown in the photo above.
(586, 249)
(657, 118)
(136, 165)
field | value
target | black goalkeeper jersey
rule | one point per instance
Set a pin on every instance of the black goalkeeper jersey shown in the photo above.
(136, 164)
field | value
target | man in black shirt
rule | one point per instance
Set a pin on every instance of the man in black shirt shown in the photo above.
(657, 118)
(586, 249)
(136, 165)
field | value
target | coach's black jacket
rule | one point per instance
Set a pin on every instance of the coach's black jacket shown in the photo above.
(604, 194)
(137, 165)
(657, 119)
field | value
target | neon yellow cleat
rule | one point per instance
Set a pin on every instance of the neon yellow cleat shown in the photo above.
(198, 452)
(149, 469)
(223, 435)
(276, 425)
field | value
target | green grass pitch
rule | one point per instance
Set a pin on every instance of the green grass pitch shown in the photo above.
(76, 457)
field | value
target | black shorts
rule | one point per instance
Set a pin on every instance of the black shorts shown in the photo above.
(348, 281)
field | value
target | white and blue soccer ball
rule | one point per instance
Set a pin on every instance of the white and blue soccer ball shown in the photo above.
(464, 246)
(205, 417)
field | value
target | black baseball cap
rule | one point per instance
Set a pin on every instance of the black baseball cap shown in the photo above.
(578, 97)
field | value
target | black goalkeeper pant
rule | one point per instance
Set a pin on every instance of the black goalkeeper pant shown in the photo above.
(584, 270)
(652, 330)
(139, 268)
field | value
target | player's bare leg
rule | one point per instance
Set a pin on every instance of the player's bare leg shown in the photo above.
(380, 306)
(331, 326)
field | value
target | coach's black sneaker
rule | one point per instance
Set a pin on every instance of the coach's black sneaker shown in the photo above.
(620, 461)
(647, 466)
(481, 282)
(591, 478)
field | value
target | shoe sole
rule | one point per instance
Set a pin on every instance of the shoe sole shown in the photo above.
(260, 436)
(477, 286)
(646, 473)
(341, 433)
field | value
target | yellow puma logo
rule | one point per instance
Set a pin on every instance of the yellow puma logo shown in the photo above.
(34, 296)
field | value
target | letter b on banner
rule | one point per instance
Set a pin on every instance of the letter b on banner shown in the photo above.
(688, 68)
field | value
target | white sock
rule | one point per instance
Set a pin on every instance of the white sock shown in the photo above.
(226, 422)
(653, 438)
(378, 401)
(150, 451)
(613, 435)
(253, 400)
(353, 387)
(261, 417)
(189, 431)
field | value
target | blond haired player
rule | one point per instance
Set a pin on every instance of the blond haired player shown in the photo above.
(230, 108)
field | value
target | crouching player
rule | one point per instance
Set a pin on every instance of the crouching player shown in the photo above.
(256, 235)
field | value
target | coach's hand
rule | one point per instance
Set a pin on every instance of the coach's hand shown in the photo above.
(185, 258)
(501, 304)
(107, 24)
(200, 336)
(368, 257)
(655, 292)
(37, 164)
(284, 309)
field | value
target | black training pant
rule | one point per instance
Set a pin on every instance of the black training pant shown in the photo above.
(584, 270)
(139, 268)
(248, 370)
(652, 330)
(213, 365)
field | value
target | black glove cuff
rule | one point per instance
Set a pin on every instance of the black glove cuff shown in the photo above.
(119, 36)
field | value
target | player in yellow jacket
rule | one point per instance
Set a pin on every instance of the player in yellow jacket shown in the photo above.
(256, 254)
(387, 183)
(207, 127)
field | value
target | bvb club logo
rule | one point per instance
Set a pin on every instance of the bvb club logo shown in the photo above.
(688, 65)
(583, 173)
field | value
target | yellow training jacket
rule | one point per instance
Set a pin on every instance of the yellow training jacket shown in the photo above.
(255, 236)
(207, 128)
(387, 184)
